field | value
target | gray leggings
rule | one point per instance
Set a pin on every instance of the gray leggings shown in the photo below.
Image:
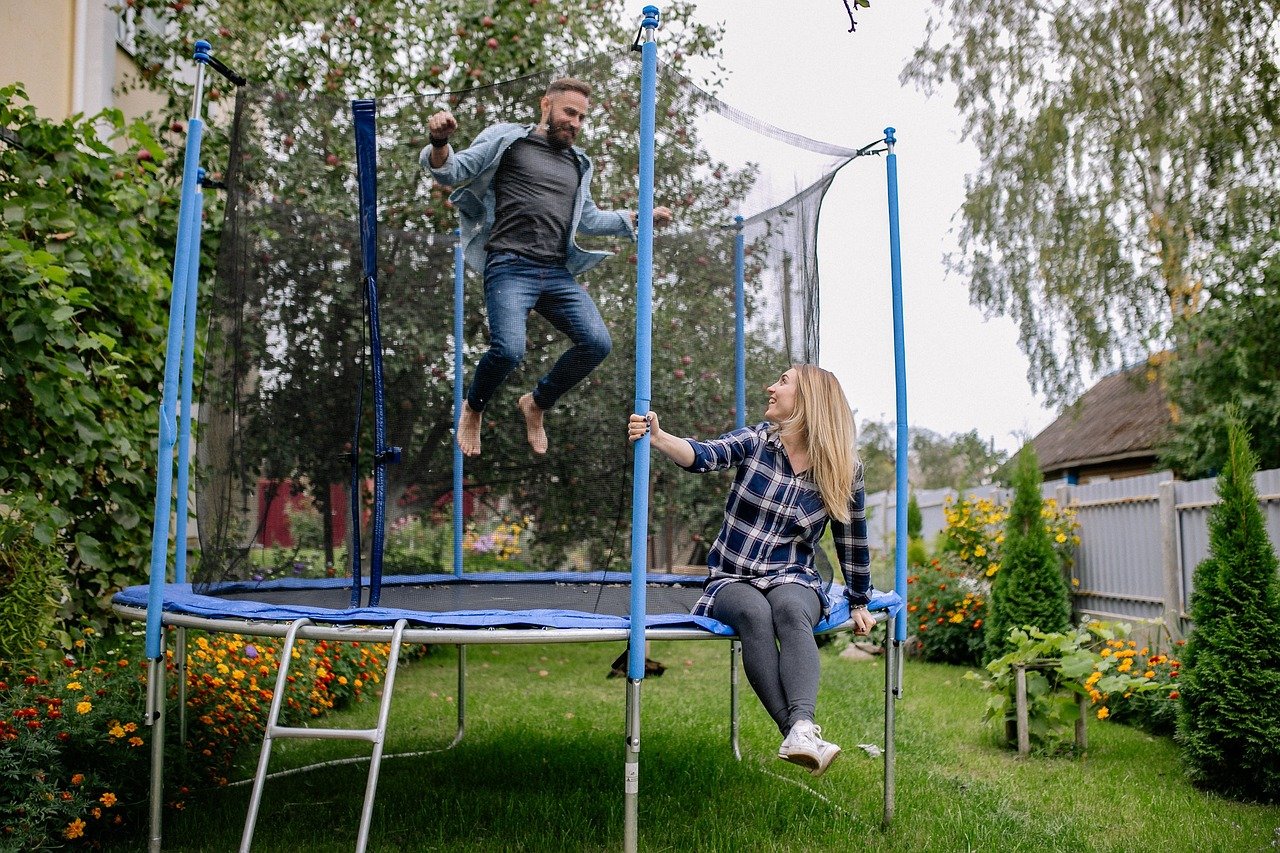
(779, 653)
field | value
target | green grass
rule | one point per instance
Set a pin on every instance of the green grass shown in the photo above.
(541, 769)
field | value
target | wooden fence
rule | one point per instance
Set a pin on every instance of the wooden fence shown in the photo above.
(1141, 538)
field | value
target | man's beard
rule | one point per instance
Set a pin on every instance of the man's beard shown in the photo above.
(560, 137)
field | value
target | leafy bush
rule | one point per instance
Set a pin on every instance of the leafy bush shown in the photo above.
(945, 607)
(1155, 711)
(72, 764)
(30, 590)
(975, 532)
(1029, 588)
(85, 251)
(1229, 718)
(1061, 667)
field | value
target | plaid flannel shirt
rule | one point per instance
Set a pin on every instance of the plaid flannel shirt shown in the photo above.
(774, 520)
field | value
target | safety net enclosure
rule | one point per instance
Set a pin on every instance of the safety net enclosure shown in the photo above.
(283, 486)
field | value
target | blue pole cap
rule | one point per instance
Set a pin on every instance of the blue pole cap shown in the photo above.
(202, 51)
(650, 17)
(889, 134)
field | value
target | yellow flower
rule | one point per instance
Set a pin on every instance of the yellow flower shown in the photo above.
(1151, 673)
(84, 707)
(1060, 538)
(116, 731)
(74, 685)
(979, 551)
(1103, 713)
(74, 830)
(992, 569)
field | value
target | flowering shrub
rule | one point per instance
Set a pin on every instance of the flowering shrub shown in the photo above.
(945, 607)
(498, 546)
(1154, 710)
(74, 760)
(975, 531)
(1092, 660)
(230, 680)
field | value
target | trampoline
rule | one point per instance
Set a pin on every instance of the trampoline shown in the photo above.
(769, 291)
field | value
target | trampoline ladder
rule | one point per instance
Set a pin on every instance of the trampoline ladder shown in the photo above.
(375, 735)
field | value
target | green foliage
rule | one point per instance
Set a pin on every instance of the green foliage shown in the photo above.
(1061, 667)
(84, 252)
(915, 521)
(1029, 588)
(1229, 723)
(945, 607)
(72, 764)
(31, 589)
(1097, 200)
(1228, 353)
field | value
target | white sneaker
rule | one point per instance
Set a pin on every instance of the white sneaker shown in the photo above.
(827, 753)
(803, 746)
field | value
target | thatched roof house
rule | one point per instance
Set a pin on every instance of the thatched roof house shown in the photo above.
(1114, 430)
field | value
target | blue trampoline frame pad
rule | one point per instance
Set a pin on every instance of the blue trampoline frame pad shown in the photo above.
(588, 606)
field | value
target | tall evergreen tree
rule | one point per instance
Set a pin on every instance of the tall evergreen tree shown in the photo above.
(1030, 588)
(1229, 717)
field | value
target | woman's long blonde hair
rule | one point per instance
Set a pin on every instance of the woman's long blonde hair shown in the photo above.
(824, 422)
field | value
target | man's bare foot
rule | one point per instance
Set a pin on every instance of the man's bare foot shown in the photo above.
(469, 431)
(533, 424)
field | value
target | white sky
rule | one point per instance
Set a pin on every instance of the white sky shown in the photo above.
(796, 66)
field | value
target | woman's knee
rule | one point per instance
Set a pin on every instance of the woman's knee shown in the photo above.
(597, 345)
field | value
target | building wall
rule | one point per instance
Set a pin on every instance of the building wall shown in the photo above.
(67, 55)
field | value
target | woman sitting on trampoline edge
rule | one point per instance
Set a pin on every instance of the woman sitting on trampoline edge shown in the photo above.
(796, 471)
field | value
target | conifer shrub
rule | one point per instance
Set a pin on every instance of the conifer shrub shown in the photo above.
(30, 591)
(1029, 589)
(1229, 715)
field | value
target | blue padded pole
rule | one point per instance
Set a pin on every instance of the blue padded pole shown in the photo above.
(188, 370)
(365, 112)
(644, 397)
(644, 342)
(459, 271)
(188, 222)
(739, 328)
(900, 377)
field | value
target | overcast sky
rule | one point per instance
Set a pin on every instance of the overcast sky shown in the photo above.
(797, 66)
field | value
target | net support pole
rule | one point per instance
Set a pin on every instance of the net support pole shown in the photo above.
(459, 271)
(739, 327)
(364, 112)
(893, 660)
(640, 471)
(188, 226)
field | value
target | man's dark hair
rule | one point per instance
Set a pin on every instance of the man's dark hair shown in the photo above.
(569, 84)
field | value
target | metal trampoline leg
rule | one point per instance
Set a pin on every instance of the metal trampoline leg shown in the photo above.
(462, 697)
(892, 690)
(631, 770)
(735, 652)
(156, 695)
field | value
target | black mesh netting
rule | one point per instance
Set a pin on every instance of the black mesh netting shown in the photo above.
(287, 362)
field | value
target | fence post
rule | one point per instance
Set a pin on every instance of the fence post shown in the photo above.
(1169, 559)
(1022, 720)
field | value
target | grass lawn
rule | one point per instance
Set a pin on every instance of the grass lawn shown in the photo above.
(541, 768)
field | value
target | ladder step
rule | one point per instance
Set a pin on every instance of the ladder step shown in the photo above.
(370, 735)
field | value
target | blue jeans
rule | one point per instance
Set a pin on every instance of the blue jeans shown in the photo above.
(514, 286)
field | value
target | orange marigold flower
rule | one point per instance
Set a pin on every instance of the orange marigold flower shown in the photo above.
(74, 830)
(77, 779)
(84, 707)
(108, 799)
(1103, 713)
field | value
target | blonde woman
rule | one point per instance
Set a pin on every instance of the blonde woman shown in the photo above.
(796, 471)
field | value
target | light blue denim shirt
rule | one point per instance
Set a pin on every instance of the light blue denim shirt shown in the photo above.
(472, 171)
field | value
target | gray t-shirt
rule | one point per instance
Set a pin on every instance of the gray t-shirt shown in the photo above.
(535, 189)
